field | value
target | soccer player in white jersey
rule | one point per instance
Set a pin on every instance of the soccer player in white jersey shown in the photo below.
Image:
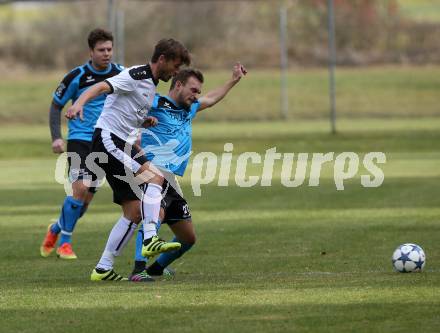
(130, 96)
(168, 145)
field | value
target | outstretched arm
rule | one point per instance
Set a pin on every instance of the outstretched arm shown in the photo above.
(94, 91)
(216, 95)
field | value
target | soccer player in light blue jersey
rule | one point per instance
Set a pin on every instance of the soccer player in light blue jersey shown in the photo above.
(97, 69)
(168, 147)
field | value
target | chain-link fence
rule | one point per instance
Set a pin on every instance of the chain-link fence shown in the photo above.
(387, 51)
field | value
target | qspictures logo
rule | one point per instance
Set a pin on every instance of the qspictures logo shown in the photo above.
(208, 167)
(246, 169)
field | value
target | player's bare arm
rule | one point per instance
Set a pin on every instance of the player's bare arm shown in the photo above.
(216, 95)
(55, 128)
(94, 91)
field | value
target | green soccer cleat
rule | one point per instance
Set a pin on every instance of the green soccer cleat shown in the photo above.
(109, 275)
(155, 245)
(141, 277)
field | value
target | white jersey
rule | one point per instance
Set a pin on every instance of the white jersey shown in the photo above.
(127, 106)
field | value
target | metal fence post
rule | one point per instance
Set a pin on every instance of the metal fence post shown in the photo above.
(284, 99)
(111, 15)
(331, 64)
(120, 36)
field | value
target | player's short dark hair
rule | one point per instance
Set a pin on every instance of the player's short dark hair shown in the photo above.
(172, 50)
(99, 35)
(184, 74)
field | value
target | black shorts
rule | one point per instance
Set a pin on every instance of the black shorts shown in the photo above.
(77, 152)
(120, 161)
(175, 206)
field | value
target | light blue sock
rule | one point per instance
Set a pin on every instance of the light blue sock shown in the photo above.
(168, 257)
(139, 240)
(138, 250)
(70, 214)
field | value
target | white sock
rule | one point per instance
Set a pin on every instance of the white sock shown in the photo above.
(150, 209)
(121, 233)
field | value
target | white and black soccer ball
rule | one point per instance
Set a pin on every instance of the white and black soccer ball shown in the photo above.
(409, 258)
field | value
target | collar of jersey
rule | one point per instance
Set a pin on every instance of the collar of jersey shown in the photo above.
(178, 107)
(105, 71)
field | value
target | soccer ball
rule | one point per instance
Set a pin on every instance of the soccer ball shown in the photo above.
(409, 258)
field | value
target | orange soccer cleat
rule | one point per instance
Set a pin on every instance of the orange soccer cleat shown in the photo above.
(65, 252)
(48, 243)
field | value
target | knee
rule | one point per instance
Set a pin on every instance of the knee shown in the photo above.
(135, 218)
(157, 179)
(80, 191)
(132, 211)
(190, 239)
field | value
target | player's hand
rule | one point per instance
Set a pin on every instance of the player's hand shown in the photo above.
(150, 122)
(58, 146)
(238, 72)
(73, 111)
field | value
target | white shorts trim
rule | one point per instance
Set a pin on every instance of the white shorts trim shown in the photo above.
(117, 153)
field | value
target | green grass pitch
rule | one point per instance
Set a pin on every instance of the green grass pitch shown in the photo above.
(268, 259)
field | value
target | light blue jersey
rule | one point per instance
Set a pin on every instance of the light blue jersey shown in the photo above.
(72, 86)
(168, 145)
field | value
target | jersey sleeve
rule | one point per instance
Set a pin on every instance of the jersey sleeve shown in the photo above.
(123, 82)
(67, 88)
(194, 108)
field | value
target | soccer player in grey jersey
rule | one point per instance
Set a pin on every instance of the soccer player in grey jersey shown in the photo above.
(131, 94)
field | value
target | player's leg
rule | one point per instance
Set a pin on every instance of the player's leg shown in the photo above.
(184, 234)
(72, 210)
(150, 208)
(124, 195)
(140, 262)
(178, 217)
(89, 197)
(126, 192)
(119, 236)
(73, 206)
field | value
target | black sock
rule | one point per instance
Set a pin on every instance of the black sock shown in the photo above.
(147, 241)
(139, 266)
(155, 269)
